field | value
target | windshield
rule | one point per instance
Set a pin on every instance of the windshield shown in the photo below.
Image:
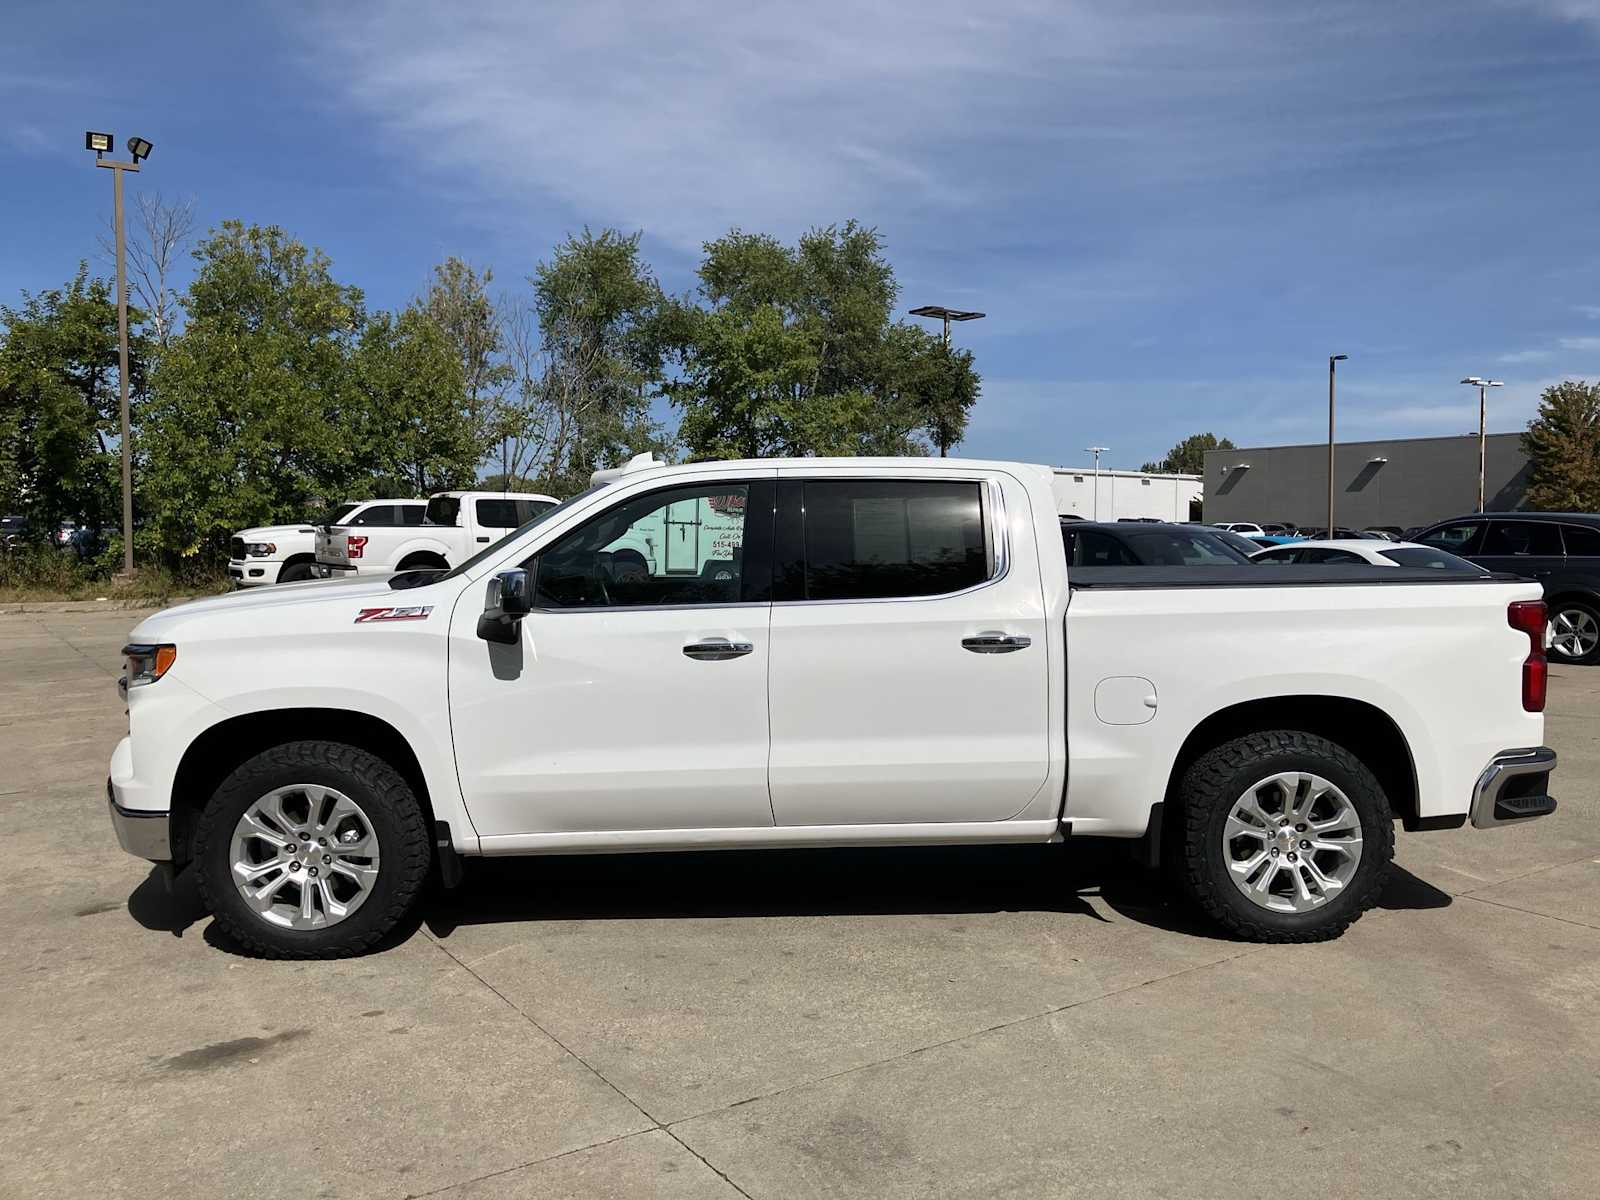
(1427, 556)
(1174, 547)
(538, 519)
(334, 515)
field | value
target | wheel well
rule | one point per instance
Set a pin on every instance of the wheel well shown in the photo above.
(294, 560)
(217, 752)
(421, 559)
(1580, 596)
(1364, 730)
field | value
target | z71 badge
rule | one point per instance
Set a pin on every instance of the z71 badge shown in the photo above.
(414, 612)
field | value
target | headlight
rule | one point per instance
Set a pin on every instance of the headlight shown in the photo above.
(142, 664)
(260, 549)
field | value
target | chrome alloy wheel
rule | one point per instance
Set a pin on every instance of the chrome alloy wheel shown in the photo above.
(1292, 842)
(304, 856)
(1573, 633)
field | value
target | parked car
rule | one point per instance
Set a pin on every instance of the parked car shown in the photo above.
(287, 553)
(1106, 544)
(1366, 552)
(1247, 528)
(454, 526)
(1559, 550)
(1279, 528)
(13, 532)
(1392, 533)
(1340, 533)
(827, 652)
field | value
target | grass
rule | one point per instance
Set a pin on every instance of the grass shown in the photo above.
(40, 574)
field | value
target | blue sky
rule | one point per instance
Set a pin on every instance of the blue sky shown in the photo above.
(1171, 212)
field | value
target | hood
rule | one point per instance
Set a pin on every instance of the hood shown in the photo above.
(265, 533)
(254, 603)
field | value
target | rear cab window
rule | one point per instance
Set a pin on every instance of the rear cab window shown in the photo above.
(442, 510)
(881, 539)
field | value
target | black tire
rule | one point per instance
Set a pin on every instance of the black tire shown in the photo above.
(1220, 777)
(295, 572)
(404, 847)
(1586, 610)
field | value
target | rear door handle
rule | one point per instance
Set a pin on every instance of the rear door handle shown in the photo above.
(995, 642)
(715, 649)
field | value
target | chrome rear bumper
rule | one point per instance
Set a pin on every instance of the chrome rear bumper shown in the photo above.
(1514, 787)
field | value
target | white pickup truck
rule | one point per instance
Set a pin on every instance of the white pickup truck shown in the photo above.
(454, 526)
(822, 653)
(287, 553)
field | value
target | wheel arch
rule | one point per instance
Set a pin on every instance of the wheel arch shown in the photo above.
(416, 560)
(223, 747)
(295, 560)
(1363, 729)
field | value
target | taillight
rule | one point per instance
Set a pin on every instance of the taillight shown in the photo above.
(356, 542)
(1530, 617)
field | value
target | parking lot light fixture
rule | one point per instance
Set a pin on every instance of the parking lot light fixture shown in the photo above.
(1483, 385)
(1097, 451)
(1333, 359)
(138, 148)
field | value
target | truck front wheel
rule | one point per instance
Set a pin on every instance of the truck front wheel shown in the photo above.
(311, 850)
(1286, 837)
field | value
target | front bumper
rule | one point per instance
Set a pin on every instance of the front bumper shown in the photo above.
(142, 834)
(253, 572)
(1514, 787)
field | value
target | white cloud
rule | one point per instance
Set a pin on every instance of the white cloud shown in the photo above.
(1592, 311)
(1526, 356)
(1581, 344)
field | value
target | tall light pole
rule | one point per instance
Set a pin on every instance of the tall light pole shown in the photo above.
(1332, 359)
(1097, 451)
(940, 312)
(138, 151)
(1483, 386)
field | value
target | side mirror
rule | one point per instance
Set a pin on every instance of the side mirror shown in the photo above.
(506, 600)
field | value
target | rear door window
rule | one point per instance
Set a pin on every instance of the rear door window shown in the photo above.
(880, 539)
(1522, 539)
(410, 514)
(374, 514)
(1583, 541)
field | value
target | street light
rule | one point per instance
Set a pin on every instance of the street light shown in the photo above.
(946, 315)
(1097, 451)
(138, 149)
(1483, 386)
(1332, 359)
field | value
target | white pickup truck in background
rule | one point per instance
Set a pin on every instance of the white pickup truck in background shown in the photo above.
(818, 653)
(287, 553)
(455, 526)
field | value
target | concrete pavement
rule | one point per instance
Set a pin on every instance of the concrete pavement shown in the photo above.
(1018, 1021)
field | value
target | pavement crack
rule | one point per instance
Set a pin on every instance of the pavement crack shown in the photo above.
(535, 1162)
(1571, 862)
(531, 1020)
(977, 1033)
(1530, 912)
(710, 1166)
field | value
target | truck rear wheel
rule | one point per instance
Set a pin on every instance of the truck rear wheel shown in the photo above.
(311, 850)
(1286, 837)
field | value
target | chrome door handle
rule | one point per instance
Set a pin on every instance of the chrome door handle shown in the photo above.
(716, 649)
(994, 642)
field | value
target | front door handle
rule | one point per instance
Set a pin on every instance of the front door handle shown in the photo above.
(995, 642)
(715, 649)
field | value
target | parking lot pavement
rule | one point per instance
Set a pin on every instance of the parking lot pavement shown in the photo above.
(1020, 1021)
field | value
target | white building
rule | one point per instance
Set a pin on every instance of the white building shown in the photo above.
(1126, 494)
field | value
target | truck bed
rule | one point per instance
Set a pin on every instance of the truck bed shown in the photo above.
(1241, 576)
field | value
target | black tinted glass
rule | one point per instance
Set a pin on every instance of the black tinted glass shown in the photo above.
(1582, 541)
(442, 510)
(1097, 548)
(377, 514)
(500, 514)
(1428, 556)
(411, 514)
(871, 539)
(1521, 539)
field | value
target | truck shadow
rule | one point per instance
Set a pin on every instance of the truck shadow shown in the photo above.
(1081, 879)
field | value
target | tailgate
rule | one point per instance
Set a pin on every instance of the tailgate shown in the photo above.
(333, 546)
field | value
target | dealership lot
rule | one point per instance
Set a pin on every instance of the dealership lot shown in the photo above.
(979, 1022)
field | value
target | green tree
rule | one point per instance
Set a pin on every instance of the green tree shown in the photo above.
(458, 302)
(791, 351)
(1188, 457)
(248, 418)
(417, 427)
(1563, 447)
(59, 405)
(587, 358)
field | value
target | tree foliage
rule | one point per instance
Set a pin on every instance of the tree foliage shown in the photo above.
(1563, 448)
(1188, 457)
(791, 351)
(59, 403)
(458, 302)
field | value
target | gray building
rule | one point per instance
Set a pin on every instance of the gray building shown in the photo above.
(1405, 481)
